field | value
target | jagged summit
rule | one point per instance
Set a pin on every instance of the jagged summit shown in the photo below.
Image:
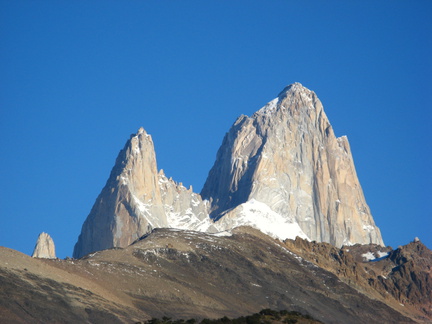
(293, 97)
(44, 247)
(293, 87)
(282, 171)
(287, 158)
(138, 198)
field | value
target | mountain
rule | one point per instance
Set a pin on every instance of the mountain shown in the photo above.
(282, 171)
(285, 164)
(44, 247)
(281, 223)
(185, 274)
(400, 277)
(137, 198)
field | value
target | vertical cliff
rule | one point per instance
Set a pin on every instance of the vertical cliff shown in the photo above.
(285, 164)
(137, 198)
(282, 171)
(44, 247)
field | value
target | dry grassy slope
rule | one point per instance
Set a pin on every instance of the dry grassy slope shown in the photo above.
(180, 274)
(37, 291)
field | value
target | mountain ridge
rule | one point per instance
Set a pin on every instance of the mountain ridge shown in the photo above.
(283, 165)
(281, 223)
(286, 156)
(187, 274)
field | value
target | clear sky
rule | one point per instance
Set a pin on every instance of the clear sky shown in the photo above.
(78, 77)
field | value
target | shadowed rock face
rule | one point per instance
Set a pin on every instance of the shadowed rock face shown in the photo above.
(44, 247)
(184, 274)
(287, 158)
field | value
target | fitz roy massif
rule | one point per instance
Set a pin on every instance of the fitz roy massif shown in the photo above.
(282, 171)
(280, 224)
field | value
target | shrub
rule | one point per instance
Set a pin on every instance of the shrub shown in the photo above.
(269, 312)
(290, 321)
(253, 319)
(154, 321)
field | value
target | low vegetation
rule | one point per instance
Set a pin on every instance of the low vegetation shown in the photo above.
(266, 316)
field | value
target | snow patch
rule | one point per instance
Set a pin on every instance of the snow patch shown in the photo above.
(143, 208)
(368, 256)
(368, 228)
(223, 233)
(347, 242)
(187, 220)
(269, 107)
(382, 254)
(125, 181)
(260, 216)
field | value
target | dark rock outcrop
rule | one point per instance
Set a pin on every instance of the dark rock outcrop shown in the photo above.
(401, 278)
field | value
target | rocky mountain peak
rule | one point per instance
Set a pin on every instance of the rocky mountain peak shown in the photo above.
(282, 171)
(138, 198)
(286, 159)
(141, 130)
(296, 103)
(292, 88)
(44, 247)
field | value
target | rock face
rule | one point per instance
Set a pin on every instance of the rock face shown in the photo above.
(44, 247)
(286, 166)
(282, 171)
(400, 277)
(138, 198)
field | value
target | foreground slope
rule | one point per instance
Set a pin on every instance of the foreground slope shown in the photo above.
(182, 274)
(401, 278)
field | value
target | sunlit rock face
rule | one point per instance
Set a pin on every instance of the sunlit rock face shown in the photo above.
(285, 164)
(137, 198)
(282, 171)
(44, 247)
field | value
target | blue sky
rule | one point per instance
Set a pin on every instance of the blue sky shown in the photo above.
(78, 77)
